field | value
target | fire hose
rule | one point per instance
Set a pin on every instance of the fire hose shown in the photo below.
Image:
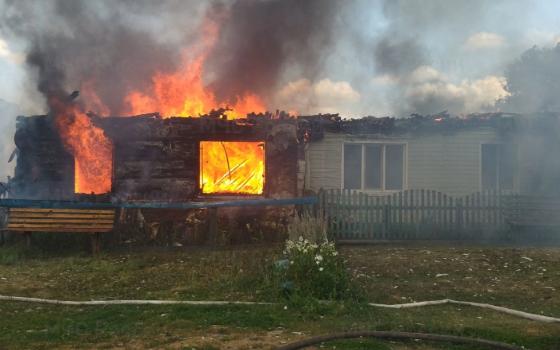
(324, 338)
(301, 344)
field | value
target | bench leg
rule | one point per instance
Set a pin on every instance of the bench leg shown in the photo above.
(95, 243)
(27, 236)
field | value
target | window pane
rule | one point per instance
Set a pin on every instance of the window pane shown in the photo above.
(507, 166)
(394, 166)
(373, 160)
(489, 167)
(352, 166)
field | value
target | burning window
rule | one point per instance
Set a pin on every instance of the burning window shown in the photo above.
(91, 148)
(231, 167)
(374, 166)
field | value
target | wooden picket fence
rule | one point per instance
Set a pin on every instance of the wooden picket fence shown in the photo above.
(412, 214)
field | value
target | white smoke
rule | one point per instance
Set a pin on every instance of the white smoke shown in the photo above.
(484, 41)
(325, 96)
(8, 113)
(429, 91)
(7, 54)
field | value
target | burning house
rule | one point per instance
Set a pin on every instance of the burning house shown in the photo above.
(148, 157)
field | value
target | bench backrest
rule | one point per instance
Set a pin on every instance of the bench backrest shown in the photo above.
(60, 220)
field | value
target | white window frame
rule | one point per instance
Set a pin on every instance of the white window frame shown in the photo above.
(383, 156)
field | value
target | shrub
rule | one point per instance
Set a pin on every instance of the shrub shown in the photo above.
(312, 266)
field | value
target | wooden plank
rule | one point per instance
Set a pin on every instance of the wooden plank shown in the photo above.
(356, 214)
(479, 210)
(499, 200)
(435, 214)
(346, 213)
(378, 217)
(61, 216)
(363, 209)
(406, 207)
(411, 203)
(423, 205)
(69, 230)
(58, 225)
(466, 211)
(495, 213)
(370, 222)
(337, 213)
(400, 210)
(61, 211)
(434, 225)
(349, 215)
(54, 221)
(390, 231)
(328, 210)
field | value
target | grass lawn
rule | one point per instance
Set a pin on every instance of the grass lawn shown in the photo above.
(527, 279)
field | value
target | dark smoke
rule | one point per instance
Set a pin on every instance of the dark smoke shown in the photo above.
(398, 57)
(116, 47)
(534, 81)
(260, 39)
(110, 45)
(50, 74)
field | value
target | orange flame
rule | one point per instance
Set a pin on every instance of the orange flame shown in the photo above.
(183, 93)
(225, 167)
(232, 167)
(91, 149)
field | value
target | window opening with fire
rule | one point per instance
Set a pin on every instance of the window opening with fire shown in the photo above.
(232, 167)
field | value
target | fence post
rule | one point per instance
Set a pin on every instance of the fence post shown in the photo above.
(213, 226)
(459, 215)
(386, 217)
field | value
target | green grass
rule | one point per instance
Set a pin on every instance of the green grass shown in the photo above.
(526, 279)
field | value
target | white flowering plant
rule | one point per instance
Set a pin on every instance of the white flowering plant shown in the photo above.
(314, 269)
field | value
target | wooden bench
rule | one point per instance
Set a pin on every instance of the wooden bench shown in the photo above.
(92, 221)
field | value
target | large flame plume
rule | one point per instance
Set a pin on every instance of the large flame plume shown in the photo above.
(226, 167)
(92, 150)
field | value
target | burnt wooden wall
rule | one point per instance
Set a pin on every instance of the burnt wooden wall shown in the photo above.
(153, 158)
(158, 159)
(44, 170)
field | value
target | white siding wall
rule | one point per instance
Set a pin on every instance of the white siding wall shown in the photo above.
(447, 163)
(324, 162)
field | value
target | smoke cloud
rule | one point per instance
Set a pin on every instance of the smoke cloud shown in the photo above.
(378, 49)
(423, 39)
(112, 48)
(259, 40)
(428, 91)
(108, 46)
(534, 81)
(325, 96)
